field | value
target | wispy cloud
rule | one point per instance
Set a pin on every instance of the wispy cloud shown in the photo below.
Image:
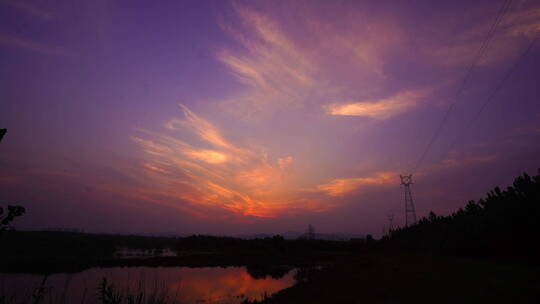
(29, 7)
(275, 70)
(361, 40)
(521, 23)
(343, 186)
(227, 177)
(203, 128)
(29, 45)
(284, 69)
(195, 161)
(380, 109)
(279, 71)
(452, 161)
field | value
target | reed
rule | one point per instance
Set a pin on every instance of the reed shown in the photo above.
(106, 292)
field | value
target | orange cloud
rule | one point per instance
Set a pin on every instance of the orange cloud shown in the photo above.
(209, 156)
(228, 177)
(203, 128)
(380, 109)
(524, 22)
(279, 70)
(342, 186)
(273, 60)
(276, 72)
(285, 70)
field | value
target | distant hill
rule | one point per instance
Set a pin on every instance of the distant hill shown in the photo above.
(292, 235)
(289, 235)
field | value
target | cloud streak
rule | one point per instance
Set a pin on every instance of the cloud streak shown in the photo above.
(29, 8)
(228, 177)
(379, 109)
(275, 70)
(520, 23)
(344, 186)
(29, 45)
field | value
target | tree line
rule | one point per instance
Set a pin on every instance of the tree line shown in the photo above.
(504, 223)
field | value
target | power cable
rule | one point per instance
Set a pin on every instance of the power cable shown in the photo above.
(496, 89)
(480, 54)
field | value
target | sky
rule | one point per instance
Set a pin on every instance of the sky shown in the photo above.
(242, 117)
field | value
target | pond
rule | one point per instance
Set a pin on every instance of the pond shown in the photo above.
(178, 284)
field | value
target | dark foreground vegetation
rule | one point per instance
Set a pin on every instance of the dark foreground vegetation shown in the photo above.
(503, 224)
(486, 252)
(105, 292)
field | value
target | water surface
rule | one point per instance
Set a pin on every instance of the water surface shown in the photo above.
(181, 284)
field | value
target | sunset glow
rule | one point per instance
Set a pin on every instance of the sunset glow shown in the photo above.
(256, 116)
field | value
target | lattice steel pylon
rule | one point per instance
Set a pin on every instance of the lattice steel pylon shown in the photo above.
(390, 223)
(410, 213)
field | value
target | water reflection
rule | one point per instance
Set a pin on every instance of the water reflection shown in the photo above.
(182, 284)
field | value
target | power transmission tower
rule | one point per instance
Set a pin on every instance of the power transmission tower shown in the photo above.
(410, 213)
(310, 233)
(390, 223)
(390, 226)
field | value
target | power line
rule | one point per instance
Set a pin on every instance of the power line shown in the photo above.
(483, 48)
(480, 54)
(497, 88)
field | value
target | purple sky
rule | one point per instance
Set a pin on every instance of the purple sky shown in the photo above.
(260, 116)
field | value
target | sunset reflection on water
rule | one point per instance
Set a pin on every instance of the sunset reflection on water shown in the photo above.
(182, 284)
(220, 284)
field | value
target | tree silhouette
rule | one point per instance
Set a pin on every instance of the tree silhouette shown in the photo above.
(12, 211)
(2, 133)
(505, 222)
